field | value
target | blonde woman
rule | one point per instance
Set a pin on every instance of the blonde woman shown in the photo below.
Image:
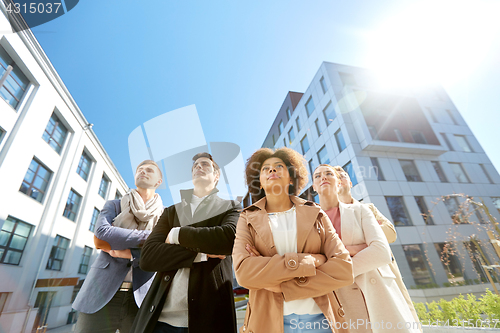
(286, 251)
(374, 301)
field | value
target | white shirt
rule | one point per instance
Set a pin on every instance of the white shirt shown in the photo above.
(175, 309)
(284, 229)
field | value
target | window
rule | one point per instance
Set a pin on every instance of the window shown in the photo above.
(84, 263)
(455, 211)
(486, 174)
(103, 187)
(311, 166)
(340, 140)
(57, 253)
(323, 156)
(410, 171)
(297, 121)
(291, 135)
(288, 113)
(433, 116)
(2, 134)
(280, 127)
(448, 144)
(398, 211)
(399, 136)
(13, 83)
(95, 215)
(496, 202)
(274, 141)
(418, 137)
(309, 106)
(463, 143)
(459, 172)
(477, 261)
(452, 117)
(373, 132)
(84, 166)
(304, 143)
(319, 127)
(329, 113)
(347, 79)
(418, 264)
(376, 167)
(284, 142)
(350, 171)
(424, 211)
(323, 85)
(13, 238)
(450, 262)
(439, 172)
(36, 181)
(118, 195)
(3, 300)
(72, 205)
(55, 133)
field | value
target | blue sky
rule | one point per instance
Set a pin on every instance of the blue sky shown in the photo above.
(126, 62)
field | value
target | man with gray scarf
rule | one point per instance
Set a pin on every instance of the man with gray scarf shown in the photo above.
(106, 300)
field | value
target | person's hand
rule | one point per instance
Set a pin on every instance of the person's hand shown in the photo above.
(216, 256)
(125, 254)
(319, 259)
(252, 251)
(354, 249)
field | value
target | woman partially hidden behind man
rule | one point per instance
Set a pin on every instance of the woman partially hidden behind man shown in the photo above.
(290, 257)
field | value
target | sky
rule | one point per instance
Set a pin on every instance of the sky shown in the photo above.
(126, 62)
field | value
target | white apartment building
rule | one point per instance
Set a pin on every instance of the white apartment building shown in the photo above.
(55, 177)
(404, 149)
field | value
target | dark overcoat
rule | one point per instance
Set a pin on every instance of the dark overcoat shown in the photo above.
(210, 230)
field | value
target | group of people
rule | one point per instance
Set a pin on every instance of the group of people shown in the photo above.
(308, 267)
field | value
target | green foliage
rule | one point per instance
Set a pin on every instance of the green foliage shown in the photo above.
(460, 311)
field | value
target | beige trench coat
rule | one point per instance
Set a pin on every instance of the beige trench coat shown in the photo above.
(386, 304)
(291, 276)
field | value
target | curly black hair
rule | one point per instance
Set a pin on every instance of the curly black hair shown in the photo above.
(294, 162)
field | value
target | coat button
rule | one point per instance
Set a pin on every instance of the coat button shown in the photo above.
(373, 281)
(152, 309)
(166, 278)
(244, 328)
(302, 279)
(292, 263)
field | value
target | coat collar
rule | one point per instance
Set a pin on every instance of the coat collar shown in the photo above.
(306, 213)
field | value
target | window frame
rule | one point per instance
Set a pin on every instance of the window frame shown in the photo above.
(424, 210)
(436, 163)
(339, 145)
(327, 120)
(322, 84)
(85, 157)
(49, 136)
(349, 166)
(304, 139)
(7, 247)
(418, 177)
(378, 169)
(93, 221)
(31, 188)
(327, 161)
(68, 211)
(16, 70)
(54, 252)
(104, 180)
(394, 218)
(307, 106)
(297, 122)
(460, 168)
(466, 147)
(291, 137)
(85, 257)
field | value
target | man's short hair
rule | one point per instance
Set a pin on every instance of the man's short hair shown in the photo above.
(152, 163)
(207, 155)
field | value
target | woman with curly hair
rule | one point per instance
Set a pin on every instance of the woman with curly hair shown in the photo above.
(374, 301)
(286, 251)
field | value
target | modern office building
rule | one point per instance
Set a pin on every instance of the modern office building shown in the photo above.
(55, 176)
(406, 150)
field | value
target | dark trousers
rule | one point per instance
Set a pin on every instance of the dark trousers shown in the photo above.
(118, 314)
(166, 328)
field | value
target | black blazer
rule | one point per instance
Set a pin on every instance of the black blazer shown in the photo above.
(210, 293)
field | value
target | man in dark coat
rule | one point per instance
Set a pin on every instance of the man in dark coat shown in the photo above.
(192, 291)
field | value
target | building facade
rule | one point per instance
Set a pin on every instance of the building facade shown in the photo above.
(55, 177)
(408, 151)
